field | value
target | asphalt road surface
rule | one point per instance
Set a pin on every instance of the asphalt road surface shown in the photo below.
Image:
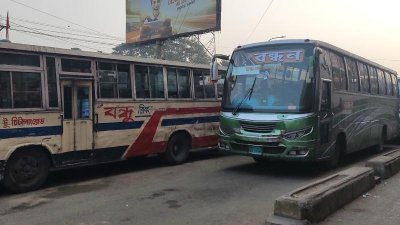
(209, 189)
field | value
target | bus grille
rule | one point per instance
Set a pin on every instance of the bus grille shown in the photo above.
(258, 128)
(266, 149)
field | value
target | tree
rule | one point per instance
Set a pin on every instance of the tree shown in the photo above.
(183, 50)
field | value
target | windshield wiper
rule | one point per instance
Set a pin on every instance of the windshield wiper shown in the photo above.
(248, 94)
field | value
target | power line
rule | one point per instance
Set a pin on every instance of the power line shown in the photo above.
(60, 41)
(60, 32)
(62, 37)
(60, 18)
(38, 33)
(62, 28)
(53, 36)
(265, 12)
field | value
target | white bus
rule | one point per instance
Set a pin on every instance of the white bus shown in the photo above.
(64, 108)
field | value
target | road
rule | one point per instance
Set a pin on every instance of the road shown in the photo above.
(209, 189)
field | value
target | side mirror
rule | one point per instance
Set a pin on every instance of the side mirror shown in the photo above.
(214, 66)
(214, 71)
(318, 51)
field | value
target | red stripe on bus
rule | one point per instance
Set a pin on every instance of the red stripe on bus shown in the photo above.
(144, 143)
(199, 142)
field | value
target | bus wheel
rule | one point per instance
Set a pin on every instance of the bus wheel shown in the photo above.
(26, 171)
(177, 149)
(379, 147)
(333, 162)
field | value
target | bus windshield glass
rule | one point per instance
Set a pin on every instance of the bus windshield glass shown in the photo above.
(277, 79)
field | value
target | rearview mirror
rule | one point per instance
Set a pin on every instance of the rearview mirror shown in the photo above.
(214, 66)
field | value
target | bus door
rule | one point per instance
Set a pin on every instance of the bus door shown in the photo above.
(77, 119)
(325, 113)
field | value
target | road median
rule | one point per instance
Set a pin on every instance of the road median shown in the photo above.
(314, 202)
(385, 165)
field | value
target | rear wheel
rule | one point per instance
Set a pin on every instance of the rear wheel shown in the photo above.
(26, 170)
(177, 149)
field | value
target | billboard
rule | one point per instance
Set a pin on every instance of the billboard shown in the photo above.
(149, 20)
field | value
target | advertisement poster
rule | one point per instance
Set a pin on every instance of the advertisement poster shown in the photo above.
(148, 20)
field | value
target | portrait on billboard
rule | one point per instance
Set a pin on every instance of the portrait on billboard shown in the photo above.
(148, 20)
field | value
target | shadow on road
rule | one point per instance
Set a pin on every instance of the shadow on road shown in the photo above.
(87, 173)
(286, 169)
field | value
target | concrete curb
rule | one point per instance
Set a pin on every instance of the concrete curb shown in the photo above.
(385, 165)
(314, 202)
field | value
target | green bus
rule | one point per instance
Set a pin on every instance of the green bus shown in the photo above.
(305, 100)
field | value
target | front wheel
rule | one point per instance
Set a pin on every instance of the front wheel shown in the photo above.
(379, 147)
(177, 149)
(26, 171)
(334, 161)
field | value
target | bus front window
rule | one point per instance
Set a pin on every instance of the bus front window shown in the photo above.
(277, 79)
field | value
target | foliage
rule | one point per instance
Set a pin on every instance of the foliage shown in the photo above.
(183, 50)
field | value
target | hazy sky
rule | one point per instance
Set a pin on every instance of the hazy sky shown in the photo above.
(368, 28)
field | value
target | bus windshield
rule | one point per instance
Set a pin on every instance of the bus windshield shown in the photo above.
(276, 79)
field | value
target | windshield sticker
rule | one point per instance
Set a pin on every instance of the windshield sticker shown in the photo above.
(246, 70)
(285, 56)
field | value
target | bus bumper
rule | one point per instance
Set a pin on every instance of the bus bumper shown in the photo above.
(280, 150)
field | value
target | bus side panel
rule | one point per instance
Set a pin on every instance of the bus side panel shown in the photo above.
(115, 128)
(25, 129)
(361, 117)
(147, 126)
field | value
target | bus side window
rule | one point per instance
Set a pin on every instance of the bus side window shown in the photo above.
(184, 83)
(395, 85)
(389, 84)
(364, 77)
(172, 83)
(156, 80)
(353, 75)
(142, 82)
(381, 82)
(5, 90)
(324, 65)
(338, 72)
(52, 82)
(326, 96)
(373, 79)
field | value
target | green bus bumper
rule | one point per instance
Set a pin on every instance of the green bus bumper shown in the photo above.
(273, 147)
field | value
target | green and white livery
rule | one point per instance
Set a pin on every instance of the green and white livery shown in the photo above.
(305, 100)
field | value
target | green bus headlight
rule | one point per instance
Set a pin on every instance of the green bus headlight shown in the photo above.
(298, 133)
(225, 129)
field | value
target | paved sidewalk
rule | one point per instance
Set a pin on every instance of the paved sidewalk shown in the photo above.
(380, 206)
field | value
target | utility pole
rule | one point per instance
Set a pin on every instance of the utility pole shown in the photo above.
(8, 28)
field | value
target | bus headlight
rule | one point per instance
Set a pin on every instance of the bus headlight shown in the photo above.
(226, 129)
(298, 133)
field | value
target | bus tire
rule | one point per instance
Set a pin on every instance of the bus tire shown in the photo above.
(26, 170)
(177, 149)
(379, 147)
(334, 161)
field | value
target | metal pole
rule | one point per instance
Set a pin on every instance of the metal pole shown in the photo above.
(8, 27)
(159, 49)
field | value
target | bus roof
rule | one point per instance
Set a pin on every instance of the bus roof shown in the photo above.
(14, 47)
(318, 44)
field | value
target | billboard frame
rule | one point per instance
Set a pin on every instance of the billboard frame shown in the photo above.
(187, 34)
